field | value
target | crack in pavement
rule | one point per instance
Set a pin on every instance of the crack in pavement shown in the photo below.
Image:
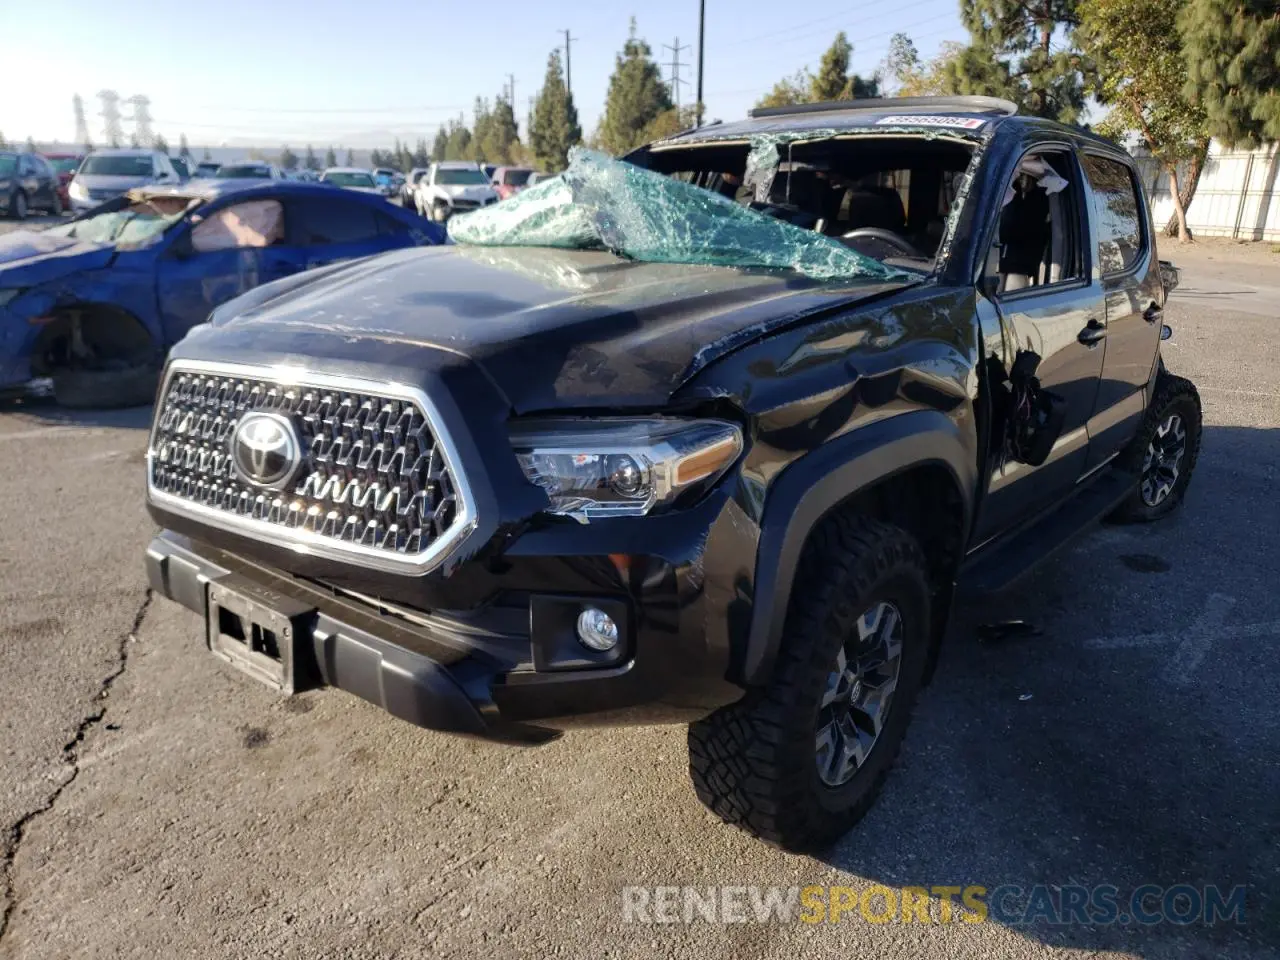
(71, 759)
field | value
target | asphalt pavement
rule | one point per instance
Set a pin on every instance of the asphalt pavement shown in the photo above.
(153, 803)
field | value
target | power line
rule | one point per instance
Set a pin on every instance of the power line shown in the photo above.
(675, 49)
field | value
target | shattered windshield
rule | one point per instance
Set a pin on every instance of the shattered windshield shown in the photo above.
(138, 224)
(603, 203)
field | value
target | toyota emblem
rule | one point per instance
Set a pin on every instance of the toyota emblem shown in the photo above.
(265, 450)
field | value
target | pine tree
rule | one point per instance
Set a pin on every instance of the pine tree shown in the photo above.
(350, 160)
(184, 148)
(31, 145)
(421, 155)
(1233, 67)
(1011, 55)
(160, 143)
(833, 81)
(330, 158)
(440, 147)
(310, 160)
(636, 96)
(499, 139)
(788, 91)
(288, 159)
(554, 125)
(458, 146)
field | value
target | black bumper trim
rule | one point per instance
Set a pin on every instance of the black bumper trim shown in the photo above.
(406, 683)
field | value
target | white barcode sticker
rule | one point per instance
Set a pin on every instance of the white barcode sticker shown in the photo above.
(932, 120)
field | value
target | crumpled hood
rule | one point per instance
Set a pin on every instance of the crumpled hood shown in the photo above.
(551, 328)
(28, 258)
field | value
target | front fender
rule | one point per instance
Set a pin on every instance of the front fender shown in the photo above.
(811, 486)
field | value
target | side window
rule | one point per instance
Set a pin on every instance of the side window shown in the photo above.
(1117, 213)
(255, 223)
(1039, 241)
(319, 222)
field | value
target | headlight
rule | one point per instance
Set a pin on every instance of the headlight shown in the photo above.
(592, 469)
(77, 190)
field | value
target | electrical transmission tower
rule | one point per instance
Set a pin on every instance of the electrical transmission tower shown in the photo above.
(141, 119)
(110, 113)
(675, 66)
(82, 126)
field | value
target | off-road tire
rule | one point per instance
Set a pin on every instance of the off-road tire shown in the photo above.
(106, 389)
(753, 763)
(1173, 394)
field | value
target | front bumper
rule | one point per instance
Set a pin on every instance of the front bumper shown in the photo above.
(513, 675)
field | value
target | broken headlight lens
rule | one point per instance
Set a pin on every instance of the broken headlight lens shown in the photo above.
(623, 467)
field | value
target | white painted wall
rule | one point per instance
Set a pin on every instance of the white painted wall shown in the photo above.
(1238, 195)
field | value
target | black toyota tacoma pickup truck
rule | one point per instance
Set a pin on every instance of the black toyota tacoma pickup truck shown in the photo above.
(716, 434)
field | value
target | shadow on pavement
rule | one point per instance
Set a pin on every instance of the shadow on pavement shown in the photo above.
(1075, 757)
(47, 411)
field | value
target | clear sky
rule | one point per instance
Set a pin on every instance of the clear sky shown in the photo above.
(338, 72)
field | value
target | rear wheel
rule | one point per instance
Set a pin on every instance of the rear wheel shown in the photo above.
(18, 205)
(800, 761)
(1164, 452)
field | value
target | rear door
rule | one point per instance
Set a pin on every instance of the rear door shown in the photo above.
(1130, 276)
(1050, 305)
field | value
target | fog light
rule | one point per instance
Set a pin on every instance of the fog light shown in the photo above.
(597, 630)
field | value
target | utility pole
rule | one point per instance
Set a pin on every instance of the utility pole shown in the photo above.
(568, 67)
(511, 90)
(702, 30)
(675, 49)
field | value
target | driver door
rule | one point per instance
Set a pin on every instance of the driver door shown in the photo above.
(227, 252)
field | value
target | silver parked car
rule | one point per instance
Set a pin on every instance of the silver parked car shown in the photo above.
(105, 174)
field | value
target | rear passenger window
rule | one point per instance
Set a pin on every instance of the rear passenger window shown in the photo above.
(332, 220)
(1117, 213)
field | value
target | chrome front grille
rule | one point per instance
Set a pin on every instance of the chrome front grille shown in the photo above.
(378, 480)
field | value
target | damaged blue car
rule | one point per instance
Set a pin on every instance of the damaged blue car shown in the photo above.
(94, 304)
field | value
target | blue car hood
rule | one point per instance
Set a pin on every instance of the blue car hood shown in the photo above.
(28, 259)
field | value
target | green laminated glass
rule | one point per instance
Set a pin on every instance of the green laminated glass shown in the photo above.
(603, 203)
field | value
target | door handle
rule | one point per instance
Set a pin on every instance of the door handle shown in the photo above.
(1153, 313)
(1093, 334)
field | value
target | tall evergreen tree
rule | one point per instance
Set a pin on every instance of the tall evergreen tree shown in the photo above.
(636, 96)
(500, 141)
(310, 160)
(160, 143)
(31, 145)
(1140, 75)
(440, 146)
(1011, 55)
(554, 125)
(1233, 67)
(458, 146)
(288, 159)
(833, 80)
(330, 158)
(421, 154)
(351, 158)
(184, 148)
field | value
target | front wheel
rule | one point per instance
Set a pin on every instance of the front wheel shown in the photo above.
(801, 760)
(18, 206)
(57, 204)
(1164, 452)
